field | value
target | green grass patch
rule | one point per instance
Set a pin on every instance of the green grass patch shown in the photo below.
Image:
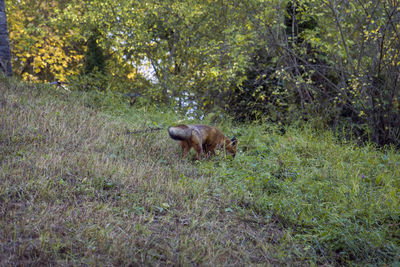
(77, 189)
(340, 200)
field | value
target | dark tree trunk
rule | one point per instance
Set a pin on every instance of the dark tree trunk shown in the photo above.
(5, 55)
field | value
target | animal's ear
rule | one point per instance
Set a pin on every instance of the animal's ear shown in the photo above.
(234, 141)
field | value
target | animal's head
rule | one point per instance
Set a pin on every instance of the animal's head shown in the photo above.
(231, 146)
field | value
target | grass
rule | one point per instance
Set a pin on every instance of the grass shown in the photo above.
(340, 199)
(75, 189)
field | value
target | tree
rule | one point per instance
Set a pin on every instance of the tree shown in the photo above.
(330, 61)
(46, 39)
(5, 56)
(94, 57)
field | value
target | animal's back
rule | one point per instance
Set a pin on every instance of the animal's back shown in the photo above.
(209, 134)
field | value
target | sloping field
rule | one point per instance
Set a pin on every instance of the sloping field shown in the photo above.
(76, 189)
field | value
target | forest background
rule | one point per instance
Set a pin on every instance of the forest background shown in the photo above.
(333, 63)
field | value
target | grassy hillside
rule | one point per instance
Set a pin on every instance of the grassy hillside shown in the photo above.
(76, 189)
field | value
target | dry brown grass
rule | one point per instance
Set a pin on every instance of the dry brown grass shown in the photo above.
(76, 190)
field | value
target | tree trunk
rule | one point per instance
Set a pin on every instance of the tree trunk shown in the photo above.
(5, 55)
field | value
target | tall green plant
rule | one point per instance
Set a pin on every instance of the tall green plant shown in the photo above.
(94, 57)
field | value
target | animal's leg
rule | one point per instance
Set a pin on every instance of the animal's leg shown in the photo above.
(185, 148)
(211, 150)
(197, 143)
(199, 150)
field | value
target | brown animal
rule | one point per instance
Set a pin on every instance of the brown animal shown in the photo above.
(202, 138)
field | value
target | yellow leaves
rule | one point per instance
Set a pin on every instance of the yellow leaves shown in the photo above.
(77, 57)
(372, 34)
(214, 72)
(29, 77)
(50, 56)
(38, 62)
(43, 49)
(57, 68)
(61, 78)
(131, 76)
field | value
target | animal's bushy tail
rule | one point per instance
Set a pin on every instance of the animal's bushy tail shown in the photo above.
(180, 132)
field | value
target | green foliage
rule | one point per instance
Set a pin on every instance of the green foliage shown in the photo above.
(341, 200)
(261, 95)
(191, 46)
(94, 57)
(334, 72)
(331, 62)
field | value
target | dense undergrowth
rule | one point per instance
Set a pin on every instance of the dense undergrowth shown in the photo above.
(76, 188)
